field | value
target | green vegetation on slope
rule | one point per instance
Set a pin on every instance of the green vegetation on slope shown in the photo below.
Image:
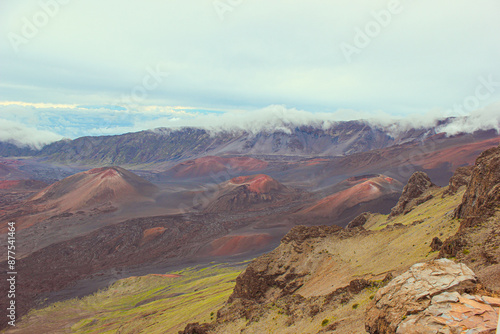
(145, 304)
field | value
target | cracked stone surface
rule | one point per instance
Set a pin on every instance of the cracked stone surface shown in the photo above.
(431, 298)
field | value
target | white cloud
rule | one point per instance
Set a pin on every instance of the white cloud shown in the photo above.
(22, 135)
(482, 119)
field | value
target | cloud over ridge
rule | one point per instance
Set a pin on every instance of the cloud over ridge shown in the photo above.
(36, 129)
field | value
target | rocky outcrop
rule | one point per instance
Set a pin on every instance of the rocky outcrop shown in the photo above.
(359, 221)
(276, 277)
(482, 196)
(196, 328)
(436, 244)
(417, 185)
(272, 275)
(433, 297)
(300, 233)
(460, 178)
(477, 242)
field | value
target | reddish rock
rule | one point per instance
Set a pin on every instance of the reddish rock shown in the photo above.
(196, 328)
(362, 189)
(250, 193)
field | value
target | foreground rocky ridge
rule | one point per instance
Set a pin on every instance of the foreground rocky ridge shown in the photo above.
(332, 274)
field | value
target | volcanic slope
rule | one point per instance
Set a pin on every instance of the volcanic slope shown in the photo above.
(9, 171)
(213, 165)
(153, 304)
(353, 196)
(97, 190)
(251, 192)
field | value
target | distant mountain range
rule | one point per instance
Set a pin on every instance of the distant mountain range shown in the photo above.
(342, 138)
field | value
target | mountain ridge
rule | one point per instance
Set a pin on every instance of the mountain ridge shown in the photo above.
(163, 144)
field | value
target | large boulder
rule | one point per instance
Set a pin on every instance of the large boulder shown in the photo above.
(433, 297)
(417, 185)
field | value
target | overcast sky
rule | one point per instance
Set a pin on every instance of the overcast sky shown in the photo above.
(73, 67)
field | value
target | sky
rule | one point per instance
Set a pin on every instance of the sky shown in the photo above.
(70, 68)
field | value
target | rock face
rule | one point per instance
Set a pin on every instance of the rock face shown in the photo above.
(460, 178)
(271, 274)
(436, 244)
(432, 297)
(196, 328)
(482, 196)
(477, 243)
(417, 185)
(359, 221)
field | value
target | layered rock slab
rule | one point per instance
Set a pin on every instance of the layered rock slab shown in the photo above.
(433, 297)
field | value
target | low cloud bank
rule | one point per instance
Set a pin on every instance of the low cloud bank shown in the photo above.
(277, 117)
(482, 119)
(22, 135)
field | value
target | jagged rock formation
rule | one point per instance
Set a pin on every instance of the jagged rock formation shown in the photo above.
(436, 244)
(477, 243)
(266, 277)
(275, 279)
(482, 197)
(432, 297)
(196, 328)
(359, 221)
(460, 178)
(417, 185)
